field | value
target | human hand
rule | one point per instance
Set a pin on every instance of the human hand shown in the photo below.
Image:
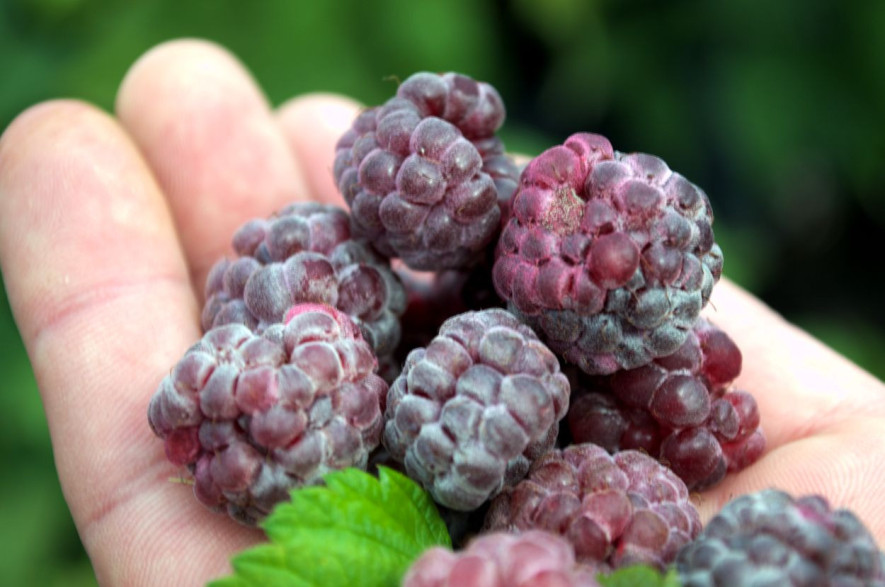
(823, 417)
(108, 227)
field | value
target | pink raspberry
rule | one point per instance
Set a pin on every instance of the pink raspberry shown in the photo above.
(608, 256)
(500, 559)
(254, 416)
(617, 510)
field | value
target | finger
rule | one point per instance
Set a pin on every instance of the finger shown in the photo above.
(801, 385)
(212, 141)
(101, 293)
(821, 414)
(845, 464)
(312, 125)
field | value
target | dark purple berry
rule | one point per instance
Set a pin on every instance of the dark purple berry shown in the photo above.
(425, 175)
(770, 538)
(677, 408)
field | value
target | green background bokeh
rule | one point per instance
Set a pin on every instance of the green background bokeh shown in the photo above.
(776, 109)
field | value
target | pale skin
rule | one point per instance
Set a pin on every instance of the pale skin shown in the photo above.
(110, 223)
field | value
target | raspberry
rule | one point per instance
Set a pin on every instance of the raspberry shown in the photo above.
(253, 416)
(616, 510)
(503, 560)
(305, 253)
(424, 173)
(771, 538)
(676, 408)
(608, 256)
(471, 411)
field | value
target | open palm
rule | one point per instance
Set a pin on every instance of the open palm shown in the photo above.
(108, 227)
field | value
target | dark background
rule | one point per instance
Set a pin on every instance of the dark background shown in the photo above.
(776, 109)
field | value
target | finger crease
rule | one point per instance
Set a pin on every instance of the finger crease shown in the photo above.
(73, 305)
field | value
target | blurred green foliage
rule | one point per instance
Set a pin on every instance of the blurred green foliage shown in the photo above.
(777, 109)
(37, 537)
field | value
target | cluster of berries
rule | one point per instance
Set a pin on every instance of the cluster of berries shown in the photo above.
(550, 383)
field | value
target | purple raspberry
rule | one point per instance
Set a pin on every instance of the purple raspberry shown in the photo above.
(253, 416)
(530, 559)
(424, 173)
(608, 256)
(616, 510)
(472, 410)
(305, 253)
(677, 408)
(770, 538)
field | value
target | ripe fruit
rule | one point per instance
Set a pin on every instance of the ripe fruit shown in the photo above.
(608, 256)
(472, 410)
(771, 538)
(677, 408)
(500, 559)
(305, 253)
(253, 416)
(617, 510)
(424, 173)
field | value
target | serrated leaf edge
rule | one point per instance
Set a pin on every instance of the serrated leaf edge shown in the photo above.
(356, 487)
(354, 483)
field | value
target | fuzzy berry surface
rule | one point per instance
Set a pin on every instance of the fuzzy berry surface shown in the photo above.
(252, 416)
(471, 411)
(608, 256)
(617, 510)
(771, 538)
(425, 174)
(531, 559)
(305, 253)
(679, 408)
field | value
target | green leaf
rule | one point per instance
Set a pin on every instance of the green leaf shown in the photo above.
(354, 530)
(639, 576)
